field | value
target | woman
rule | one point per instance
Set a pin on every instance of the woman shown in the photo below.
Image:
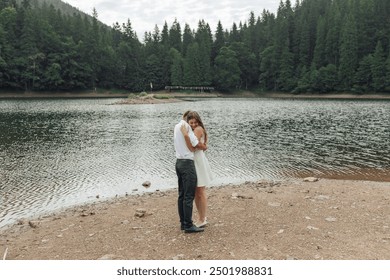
(202, 167)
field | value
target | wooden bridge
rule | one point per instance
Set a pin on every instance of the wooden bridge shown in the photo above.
(199, 88)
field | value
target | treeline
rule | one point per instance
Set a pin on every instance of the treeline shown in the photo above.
(313, 46)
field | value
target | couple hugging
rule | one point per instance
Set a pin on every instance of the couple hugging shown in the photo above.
(192, 169)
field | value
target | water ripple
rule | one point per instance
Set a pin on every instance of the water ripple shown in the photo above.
(57, 153)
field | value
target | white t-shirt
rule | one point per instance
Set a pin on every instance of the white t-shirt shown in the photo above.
(182, 151)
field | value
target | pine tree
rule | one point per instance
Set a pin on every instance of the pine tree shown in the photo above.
(247, 63)
(165, 36)
(203, 37)
(8, 41)
(304, 83)
(348, 53)
(333, 35)
(363, 76)
(249, 35)
(286, 81)
(116, 34)
(30, 56)
(319, 51)
(289, 14)
(327, 78)
(156, 36)
(234, 34)
(191, 66)
(227, 71)
(388, 74)
(219, 41)
(152, 71)
(3, 63)
(378, 68)
(90, 49)
(366, 28)
(268, 72)
(175, 36)
(283, 58)
(176, 68)
(188, 39)
(304, 43)
(387, 84)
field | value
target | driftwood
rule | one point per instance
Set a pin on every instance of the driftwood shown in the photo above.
(5, 254)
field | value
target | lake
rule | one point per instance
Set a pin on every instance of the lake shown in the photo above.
(56, 153)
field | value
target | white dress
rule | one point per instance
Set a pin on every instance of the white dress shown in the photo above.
(202, 166)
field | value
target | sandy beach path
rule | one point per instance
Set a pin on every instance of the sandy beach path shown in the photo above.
(328, 219)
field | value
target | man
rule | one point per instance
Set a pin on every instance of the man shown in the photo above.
(186, 173)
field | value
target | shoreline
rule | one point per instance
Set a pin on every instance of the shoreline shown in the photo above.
(349, 96)
(179, 96)
(288, 219)
(66, 95)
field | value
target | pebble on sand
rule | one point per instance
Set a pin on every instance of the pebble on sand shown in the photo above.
(310, 179)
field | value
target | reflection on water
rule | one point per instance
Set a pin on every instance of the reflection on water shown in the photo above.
(57, 153)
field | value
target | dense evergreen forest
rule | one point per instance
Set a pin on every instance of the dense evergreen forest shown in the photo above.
(311, 46)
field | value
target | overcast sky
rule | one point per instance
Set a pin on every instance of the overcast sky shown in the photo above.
(145, 14)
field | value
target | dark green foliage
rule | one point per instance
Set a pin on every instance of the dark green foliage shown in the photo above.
(363, 76)
(348, 53)
(227, 71)
(247, 63)
(175, 36)
(387, 84)
(378, 68)
(319, 50)
(188, 38)
(268, 69)
(191, 68)
(176, 67)
(286, 81)
(327, 79)
(219, 41)
(315, 46)
(204, 39)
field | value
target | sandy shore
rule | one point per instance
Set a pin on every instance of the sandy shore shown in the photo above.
(148, 99)
(377, 96)
(292, 219)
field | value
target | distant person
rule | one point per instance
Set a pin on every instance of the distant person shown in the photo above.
(202, 167)
(186, 173)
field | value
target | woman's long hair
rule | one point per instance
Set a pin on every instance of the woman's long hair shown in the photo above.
(194, 115)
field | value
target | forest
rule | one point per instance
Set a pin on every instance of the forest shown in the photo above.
(316, 46)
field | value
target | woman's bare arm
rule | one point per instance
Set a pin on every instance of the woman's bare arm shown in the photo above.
(200, 145)
(198, 131)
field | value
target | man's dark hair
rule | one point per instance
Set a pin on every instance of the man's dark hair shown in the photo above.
(186, 113)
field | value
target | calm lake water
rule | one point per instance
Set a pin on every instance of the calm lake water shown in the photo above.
(58, 153)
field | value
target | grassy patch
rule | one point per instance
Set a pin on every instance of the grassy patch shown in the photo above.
(132, 96)
(162, 96)
(137, 95)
